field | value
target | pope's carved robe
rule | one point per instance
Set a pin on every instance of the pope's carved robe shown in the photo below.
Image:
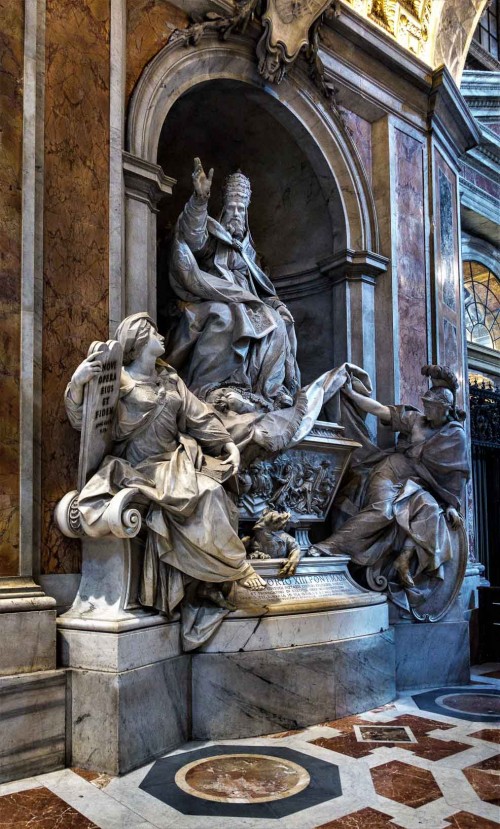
(233, 330)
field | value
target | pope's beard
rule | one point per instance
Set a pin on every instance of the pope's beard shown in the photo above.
(236, 227)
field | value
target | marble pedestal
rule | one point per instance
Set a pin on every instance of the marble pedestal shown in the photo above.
(120, 720)
(128, 694)
(437, 653)
(32, 691)
(128, 681)
(314, 647)
(432, 654)
(32, 724)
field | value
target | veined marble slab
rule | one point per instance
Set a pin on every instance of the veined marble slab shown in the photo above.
(260, 692)
(266, 632)
(28, 642)
(432, 654)
(32, 723)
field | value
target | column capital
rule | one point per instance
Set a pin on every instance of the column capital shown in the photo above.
(145, 181)
(352, 265)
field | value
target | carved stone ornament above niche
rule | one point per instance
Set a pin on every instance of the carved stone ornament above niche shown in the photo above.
(290, 26)
(287, 24)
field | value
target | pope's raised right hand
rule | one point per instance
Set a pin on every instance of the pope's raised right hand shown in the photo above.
(201, 182)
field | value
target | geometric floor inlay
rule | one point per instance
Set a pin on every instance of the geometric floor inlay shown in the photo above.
(406, 784)
(484, 778)
(384, 734)
(255, 782)
(492, 735)
(469, 703)
(242, 778)
(367, 818)
(394, 767)
(467, 820)
(41, 809)
(360, 739)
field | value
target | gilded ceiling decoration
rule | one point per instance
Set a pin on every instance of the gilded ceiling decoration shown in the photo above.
(406, 20)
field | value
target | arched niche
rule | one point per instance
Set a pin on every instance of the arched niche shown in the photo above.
(296, 214)
(324, 213)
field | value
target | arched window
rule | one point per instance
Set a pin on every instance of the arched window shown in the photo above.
(482, 305)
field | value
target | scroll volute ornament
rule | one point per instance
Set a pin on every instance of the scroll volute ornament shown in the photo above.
(287, 24)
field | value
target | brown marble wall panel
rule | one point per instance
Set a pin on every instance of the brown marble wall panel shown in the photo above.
(75, 237)
(361, 133)
(411, 269)
(149, 26)
(447, 272)
(11, 119)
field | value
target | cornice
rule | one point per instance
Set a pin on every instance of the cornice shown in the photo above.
(353, 265)
(449, 113)
(145, 181)
(479, 201)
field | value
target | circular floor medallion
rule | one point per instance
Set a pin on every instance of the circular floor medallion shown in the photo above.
(486, 705)
(242, 778)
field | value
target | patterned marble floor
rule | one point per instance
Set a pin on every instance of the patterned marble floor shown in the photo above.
(427, 761)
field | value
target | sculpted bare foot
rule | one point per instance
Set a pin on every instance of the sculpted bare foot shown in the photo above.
(253, 582)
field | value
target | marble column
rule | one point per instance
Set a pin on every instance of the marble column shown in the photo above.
(32, 692)
(145, 185)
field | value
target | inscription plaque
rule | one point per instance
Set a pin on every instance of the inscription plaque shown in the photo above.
(319, 584)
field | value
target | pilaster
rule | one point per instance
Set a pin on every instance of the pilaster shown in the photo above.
(145, 185)
(353, 275)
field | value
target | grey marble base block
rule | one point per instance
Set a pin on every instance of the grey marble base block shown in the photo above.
(432, 653)
(32, 723)
(261, 692)
(122, 720)
(28, 642)
(98, 650)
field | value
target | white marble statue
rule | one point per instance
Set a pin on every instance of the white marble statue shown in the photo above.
(233, 333)
(172, 449)
(407, 502)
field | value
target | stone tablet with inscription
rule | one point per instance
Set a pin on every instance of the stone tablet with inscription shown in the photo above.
(99, 404)
(319, 584)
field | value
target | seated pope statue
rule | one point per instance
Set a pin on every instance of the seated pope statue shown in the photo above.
(174, 450)
(233, 337)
